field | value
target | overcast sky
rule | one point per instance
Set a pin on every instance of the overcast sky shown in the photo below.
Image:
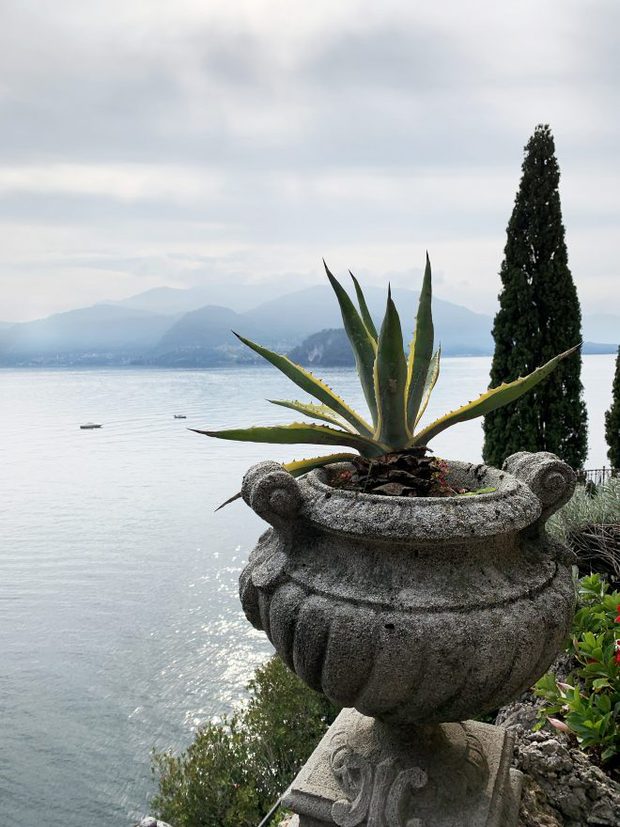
(179, 142)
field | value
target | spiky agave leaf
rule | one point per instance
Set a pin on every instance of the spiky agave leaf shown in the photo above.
(315, 411)
(299, 467)
(390, 377)
(300, 432)
(432, 376)
(311, 384)
(361, 300)
(491, 400)
(420, 349)
(363, 345)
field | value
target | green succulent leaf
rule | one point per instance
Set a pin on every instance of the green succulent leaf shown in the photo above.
(316, 412)
(361, 300)
(390, 381)
(229, 501)
(298, 467)
(362, 343)
(299, 432)
(431, 380)
(420, 349)
(309, 383)
(491, 400)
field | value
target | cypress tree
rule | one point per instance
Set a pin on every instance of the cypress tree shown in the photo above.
(539, 316)
(612, 420)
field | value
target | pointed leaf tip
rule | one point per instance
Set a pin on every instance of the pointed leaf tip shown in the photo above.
(228, 501)
(362, 342)
(366, 317)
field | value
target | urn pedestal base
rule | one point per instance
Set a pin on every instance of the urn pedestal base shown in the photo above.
(366, 774)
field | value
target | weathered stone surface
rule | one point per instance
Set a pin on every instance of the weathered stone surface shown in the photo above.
(562, 787)
(149, 821)
(419, 613)
(452, 775)
(416, 610)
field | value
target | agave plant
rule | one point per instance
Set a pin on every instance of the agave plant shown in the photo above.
(397, 387)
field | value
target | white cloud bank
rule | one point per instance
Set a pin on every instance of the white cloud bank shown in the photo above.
(149, 143)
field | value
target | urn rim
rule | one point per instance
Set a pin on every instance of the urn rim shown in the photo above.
(512, 507)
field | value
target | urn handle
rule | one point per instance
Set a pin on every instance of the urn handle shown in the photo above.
(272, 493)
(551, 479)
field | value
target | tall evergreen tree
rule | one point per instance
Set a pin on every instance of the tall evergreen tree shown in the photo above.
(612, 420)
(539, 316)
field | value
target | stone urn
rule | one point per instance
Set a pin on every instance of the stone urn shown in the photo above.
(416, 614)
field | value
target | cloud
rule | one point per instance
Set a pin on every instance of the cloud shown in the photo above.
(260, 135)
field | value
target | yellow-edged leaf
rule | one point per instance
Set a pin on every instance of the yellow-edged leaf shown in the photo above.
(431, 380)
(316, 412)
(299, 432)
(491, 400)
(420, 349)
(361, 300)
(309, 383)
(363, 345)
(299, 467)
(391, 381)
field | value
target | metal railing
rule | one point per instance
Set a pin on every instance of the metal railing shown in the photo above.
(598, 476)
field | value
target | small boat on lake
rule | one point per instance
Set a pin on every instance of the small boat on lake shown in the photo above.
(180, 416)
(90, 426)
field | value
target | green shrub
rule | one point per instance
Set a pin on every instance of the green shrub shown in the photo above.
(587, 704)
(590, 524)
(234, 771)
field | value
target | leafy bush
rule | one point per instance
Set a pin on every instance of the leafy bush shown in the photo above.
(234, 771)
(590, 524)
(588, 703)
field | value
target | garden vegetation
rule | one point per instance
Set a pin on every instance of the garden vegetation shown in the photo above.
(236, 770)
(586, 705)
(539, 316)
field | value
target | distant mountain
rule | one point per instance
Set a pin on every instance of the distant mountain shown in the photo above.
(231, 294)
(122, 333)
(327, 347)
(101, 333)
(458, 329)
(266, 302)
(289, 319)
(200, 338)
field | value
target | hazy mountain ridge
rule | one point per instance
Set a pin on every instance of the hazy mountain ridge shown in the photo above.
(306, 322)
(101, 332)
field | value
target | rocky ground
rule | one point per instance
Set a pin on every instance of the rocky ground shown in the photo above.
(562, 788)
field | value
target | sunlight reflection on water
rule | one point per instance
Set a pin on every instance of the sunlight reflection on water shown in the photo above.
(120, 626)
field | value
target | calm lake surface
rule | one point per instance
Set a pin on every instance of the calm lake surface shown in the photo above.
(120, 628)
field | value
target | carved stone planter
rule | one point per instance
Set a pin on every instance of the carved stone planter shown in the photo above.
(414, 611)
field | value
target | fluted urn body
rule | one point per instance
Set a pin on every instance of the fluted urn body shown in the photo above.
(413, 610)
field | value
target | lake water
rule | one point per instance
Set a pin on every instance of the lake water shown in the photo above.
(120, 628)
